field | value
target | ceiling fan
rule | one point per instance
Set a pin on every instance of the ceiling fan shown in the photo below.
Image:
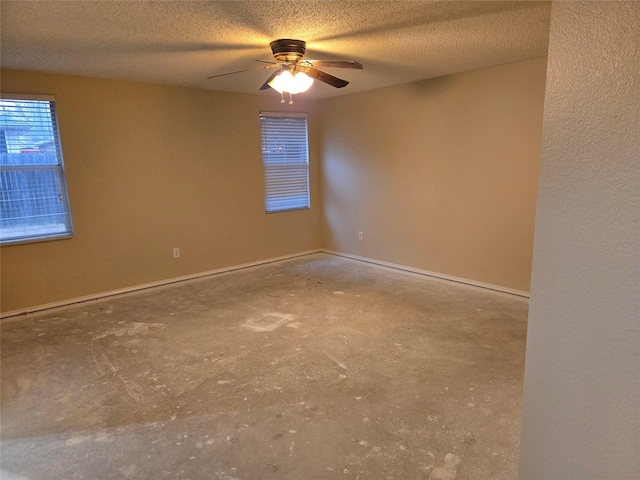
(293, 74)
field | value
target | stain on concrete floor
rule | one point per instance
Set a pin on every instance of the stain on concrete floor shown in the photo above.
(314, 368)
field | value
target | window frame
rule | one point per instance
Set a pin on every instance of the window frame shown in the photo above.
(265, 164)
(58, 168)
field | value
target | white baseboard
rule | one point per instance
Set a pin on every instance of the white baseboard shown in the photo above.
(441, 276)
(135, 288)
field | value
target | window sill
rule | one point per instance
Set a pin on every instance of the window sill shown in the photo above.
(6, 243)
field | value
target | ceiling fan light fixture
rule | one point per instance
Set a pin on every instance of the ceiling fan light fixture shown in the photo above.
(291, 83)
(294, 75)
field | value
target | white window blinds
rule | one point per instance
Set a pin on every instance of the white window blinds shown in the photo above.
(285, 156)
(33, 195)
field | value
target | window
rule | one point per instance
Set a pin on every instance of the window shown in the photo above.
(33, 192)
(285, 155)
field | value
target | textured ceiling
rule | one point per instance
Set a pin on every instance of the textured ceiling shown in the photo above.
(184, 42)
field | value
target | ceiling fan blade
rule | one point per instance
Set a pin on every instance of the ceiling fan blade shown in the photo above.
(266, 85)
(326, 78)
(336, 64)
(265, 61)
(241, 71)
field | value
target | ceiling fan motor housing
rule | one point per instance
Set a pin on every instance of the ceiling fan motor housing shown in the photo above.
(288, 50)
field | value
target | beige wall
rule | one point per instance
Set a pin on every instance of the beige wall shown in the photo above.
(581, 409)
(150, 168)
(439, 175)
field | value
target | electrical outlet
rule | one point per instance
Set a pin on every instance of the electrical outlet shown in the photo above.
(360, 235)
(176, 253)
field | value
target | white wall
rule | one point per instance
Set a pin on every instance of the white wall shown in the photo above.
(581, 413)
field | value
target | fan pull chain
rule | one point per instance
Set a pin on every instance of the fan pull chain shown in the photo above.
(290, 97)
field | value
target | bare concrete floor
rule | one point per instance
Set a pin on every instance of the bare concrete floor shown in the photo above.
(314, 368)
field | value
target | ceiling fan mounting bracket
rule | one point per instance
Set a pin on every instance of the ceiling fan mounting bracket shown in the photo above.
(288, 50)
